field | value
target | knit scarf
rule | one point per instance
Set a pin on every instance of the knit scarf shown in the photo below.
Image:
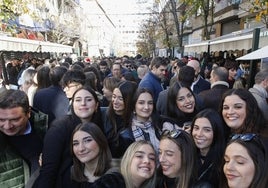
(144, 131)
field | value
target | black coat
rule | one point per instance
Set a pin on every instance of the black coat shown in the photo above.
(109, 180)
(161, 105)
(201, 85)
(56, 158)
(112, 133)
(211, 98)
(51, 101)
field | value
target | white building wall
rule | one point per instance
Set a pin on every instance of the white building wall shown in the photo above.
(99, 30)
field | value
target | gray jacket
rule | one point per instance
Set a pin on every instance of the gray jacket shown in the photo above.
(261, 95)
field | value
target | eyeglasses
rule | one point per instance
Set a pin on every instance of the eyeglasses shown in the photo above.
(172, 134)
(70, 86)
(128, 66)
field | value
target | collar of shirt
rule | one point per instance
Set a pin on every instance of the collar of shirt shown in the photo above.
(28, 129)
(197, 79)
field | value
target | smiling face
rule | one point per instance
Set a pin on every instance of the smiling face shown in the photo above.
(118, 102)
(239, 168)
(144, 107)
(84, 105)
(169, 158)
(234, 111)
(185, 100)
(203, 135)
(85, 148)
(143, 164)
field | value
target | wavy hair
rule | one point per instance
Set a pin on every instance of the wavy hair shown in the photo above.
(254, 121)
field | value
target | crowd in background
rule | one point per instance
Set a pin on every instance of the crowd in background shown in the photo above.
(133, 122)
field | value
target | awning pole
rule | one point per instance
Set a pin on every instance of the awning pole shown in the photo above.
(209, 48)
(253, 64)
(4, 69)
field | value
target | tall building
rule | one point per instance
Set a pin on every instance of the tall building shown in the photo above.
(127, 17)
(230, 28)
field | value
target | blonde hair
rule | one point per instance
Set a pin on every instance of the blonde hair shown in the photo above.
(126, 163)
(238, 84)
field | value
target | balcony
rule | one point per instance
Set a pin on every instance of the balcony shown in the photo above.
(227, 12)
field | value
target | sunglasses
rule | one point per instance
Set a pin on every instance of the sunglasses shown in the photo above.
(244, 137)
(171, 134)
(128, 66)
(249, 137)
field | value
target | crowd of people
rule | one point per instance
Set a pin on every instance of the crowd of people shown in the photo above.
(134, 123)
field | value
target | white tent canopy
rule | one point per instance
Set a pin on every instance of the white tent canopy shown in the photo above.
(18, 44)
(257, 54)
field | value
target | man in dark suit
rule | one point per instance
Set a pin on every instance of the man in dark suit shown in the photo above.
(199, 84)
(212, 97)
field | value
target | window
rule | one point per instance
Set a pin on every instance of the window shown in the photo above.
(234, 2)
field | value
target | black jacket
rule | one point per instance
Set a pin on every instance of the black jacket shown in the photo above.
(109, 180)
(56, 158)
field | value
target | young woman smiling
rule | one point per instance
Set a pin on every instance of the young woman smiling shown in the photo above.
(92, 159)
(208, 133)
(118, 116)
(177, 159)
(138, 165)
(56, 158)
(241, 113)
(144, 125)
(181, 107)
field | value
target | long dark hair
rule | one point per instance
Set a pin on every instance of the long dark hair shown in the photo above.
(172, 110)
(127, 89)
(258, 153)
(215, 153)
(42, 75)
(105, 156)
(218, 143)
(155, 116)
(254, 121)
